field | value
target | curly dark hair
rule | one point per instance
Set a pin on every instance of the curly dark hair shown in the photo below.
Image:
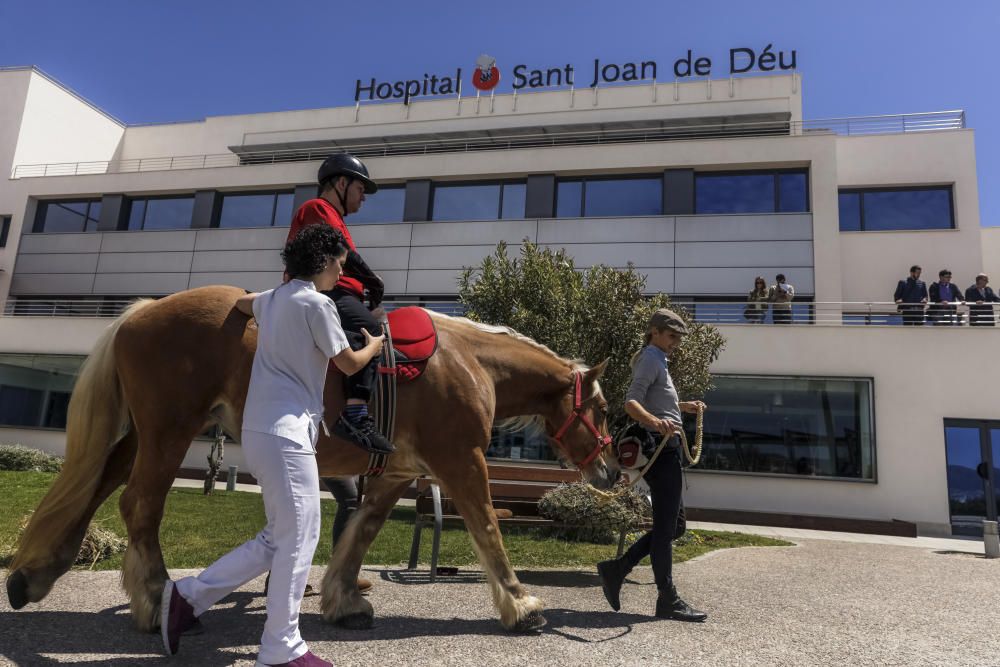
(307, 253)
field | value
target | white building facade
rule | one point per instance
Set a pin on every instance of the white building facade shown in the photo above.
(700, 185)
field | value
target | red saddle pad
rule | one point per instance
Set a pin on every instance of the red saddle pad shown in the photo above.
(414, 336)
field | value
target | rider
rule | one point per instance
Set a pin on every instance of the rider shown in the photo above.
(344, 182)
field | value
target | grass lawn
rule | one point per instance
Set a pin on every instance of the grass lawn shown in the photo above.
(197, 529)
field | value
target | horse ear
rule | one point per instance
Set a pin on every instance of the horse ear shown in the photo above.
(597, 371)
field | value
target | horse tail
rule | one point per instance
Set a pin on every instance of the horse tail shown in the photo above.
(97, 421)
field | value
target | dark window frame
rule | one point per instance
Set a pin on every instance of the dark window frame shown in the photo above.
(222, 194)
(906, 188)
(5, 222)
(501, 182)
(130, 201)
(757, 172)
(583, 180)
(826, 478)
(38, 227)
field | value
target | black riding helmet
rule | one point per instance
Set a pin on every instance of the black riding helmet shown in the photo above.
(345, 164)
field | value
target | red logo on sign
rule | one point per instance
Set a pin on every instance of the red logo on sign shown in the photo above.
(486, 75)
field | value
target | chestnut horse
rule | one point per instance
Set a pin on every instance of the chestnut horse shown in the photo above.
(167, 370)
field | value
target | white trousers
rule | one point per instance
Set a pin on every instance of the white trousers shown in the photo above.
(289, 484)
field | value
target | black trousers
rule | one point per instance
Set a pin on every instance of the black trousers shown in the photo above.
(345, 492)
(913, 315)
(355, 316)
(781, 316)
(665, 486)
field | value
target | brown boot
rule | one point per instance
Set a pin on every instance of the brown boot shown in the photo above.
(364, 585)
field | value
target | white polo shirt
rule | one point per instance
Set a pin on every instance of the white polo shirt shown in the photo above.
(298, 332)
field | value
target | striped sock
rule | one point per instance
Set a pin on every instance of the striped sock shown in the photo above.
(355, 413)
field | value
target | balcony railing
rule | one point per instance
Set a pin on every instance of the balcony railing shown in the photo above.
(735, 313)
(860, 125)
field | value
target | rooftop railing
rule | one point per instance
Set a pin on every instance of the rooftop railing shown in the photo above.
(861, 125)
(735, 313)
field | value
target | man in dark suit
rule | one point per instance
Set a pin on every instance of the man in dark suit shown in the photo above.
(945, 296)
(911, 297)
(981, 299)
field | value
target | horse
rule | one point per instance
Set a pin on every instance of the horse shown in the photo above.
(166, 370)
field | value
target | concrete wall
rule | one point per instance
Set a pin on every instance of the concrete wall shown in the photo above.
(915, 389)
(874, 261)
(991, 254)
(696, 255)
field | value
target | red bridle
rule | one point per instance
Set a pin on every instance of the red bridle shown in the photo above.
(602, 440)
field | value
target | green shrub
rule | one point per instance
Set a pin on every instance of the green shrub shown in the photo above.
(18, 458)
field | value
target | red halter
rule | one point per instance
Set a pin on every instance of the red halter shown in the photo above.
(602, 440)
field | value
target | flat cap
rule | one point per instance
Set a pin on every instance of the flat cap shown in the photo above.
(668, 319)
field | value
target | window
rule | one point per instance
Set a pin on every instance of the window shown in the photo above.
(35, 389)
(530, 443)
(886, 209)
(4, 230)
(751, 192)
(609, 197)
(806, 427)
(385, 206)
(161, 213)
(261, 209)
(478, 201)
(67, 216)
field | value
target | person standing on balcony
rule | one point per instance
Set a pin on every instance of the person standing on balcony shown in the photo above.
(911, 297)
(981, 298)
(756, 309)
(945, 296)
(781, 294)
(344, 182)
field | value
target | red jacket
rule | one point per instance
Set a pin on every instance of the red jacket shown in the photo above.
(317, 211)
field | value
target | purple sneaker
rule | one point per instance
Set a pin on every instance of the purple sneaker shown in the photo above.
(176, 617)
(308, 659)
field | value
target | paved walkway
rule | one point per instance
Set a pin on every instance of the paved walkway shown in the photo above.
(822, 602)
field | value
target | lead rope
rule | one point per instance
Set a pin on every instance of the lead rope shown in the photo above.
(692, 458)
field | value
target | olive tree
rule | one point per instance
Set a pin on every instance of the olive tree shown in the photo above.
(594, 314)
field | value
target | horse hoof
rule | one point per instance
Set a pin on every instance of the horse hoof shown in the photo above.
(17, 589)
(533, 622)
(356, 622)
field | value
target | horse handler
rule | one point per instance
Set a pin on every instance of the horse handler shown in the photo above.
(299, 332)
(652, 401)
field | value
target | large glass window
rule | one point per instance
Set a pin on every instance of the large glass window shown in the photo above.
(609, 197)
(751, 192)
(35, 389)
(4, 230)
(385, 206)
(262, 209)
(68, 216)
(530, 443)
(161, 213)
(569, 199)
(887, 209)
(806, 427)
(478, 201)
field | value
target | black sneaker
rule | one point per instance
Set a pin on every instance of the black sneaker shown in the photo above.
(363, 434)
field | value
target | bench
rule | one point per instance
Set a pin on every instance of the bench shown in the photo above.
(514, 488)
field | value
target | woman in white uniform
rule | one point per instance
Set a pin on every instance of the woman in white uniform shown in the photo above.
(299, 331)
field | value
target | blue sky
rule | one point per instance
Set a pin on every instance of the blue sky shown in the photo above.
(167, 60)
